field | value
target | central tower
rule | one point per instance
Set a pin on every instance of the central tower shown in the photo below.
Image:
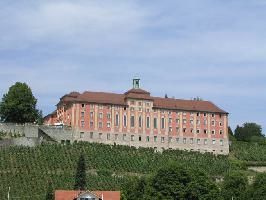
(136, 83)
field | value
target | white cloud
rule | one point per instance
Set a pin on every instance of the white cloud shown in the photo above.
(213, 49)
(77, 23)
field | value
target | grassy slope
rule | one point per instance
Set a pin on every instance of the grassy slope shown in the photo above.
(29, 170)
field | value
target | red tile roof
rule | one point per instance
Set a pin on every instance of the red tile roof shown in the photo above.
(71, 194)
(163, 103)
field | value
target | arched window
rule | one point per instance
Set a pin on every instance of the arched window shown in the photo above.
(140, 121)
(125, 121)
(132, 121)
(162, 124)
(116, 120)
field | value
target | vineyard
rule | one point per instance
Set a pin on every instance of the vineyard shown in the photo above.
(250, 152)
(29, 171)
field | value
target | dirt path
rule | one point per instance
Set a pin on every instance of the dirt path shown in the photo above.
(258, 169)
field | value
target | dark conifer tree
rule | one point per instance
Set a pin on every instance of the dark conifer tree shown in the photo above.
(80, 179)
(50, 192)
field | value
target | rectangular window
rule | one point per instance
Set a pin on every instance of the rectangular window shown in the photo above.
(162, 139)
(132, 109)
(177, 140)
(132, 137)
(198, 114)
(83, 105)
(221, 132)
(177, 129)
(148, 138)
(205, 122)
(148, 122)
(140, 138)
(100, 115)
(100, 135)
(100, 124)
(108, 124)
(191, 140)
(132, 121)
(184, 130)
(108, 136)
(170, 129)
(170, 120)
(213, 132)
(184, 121)
(213, 123)
(198, 141)
(82, 115)
(205, 141)
(205, 131)
(221, 142)
(221, 123)
(116, 136)
(82, 124)
(170, 139)
(108, 115)
(198, 131)
(191, 122)
(178, 122)
(81, 134)
(155, 123)
(191, 130)
(184, 140)
(213, 142)
(124, 137)
(213, 115)
(204, 114)
(91, 135)
(91, 114)
(155, 138)
(162, 124)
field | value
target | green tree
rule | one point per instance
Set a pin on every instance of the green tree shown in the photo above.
(138, 189)
(40, 118)
(80, 180)
(19, 105)
(201, 187)
(247, 131)
(170, 182)
(177, 182)
(234, 186)
(49, 193)
(231, 134)
(258, 188)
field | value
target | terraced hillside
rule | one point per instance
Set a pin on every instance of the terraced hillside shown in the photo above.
(29, 171)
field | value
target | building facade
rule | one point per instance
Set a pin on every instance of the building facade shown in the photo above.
(86, 195)
(137, 119)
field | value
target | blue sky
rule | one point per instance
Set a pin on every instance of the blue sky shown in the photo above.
(215, 49)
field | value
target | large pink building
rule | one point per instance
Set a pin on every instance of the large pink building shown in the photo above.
(138, 119)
